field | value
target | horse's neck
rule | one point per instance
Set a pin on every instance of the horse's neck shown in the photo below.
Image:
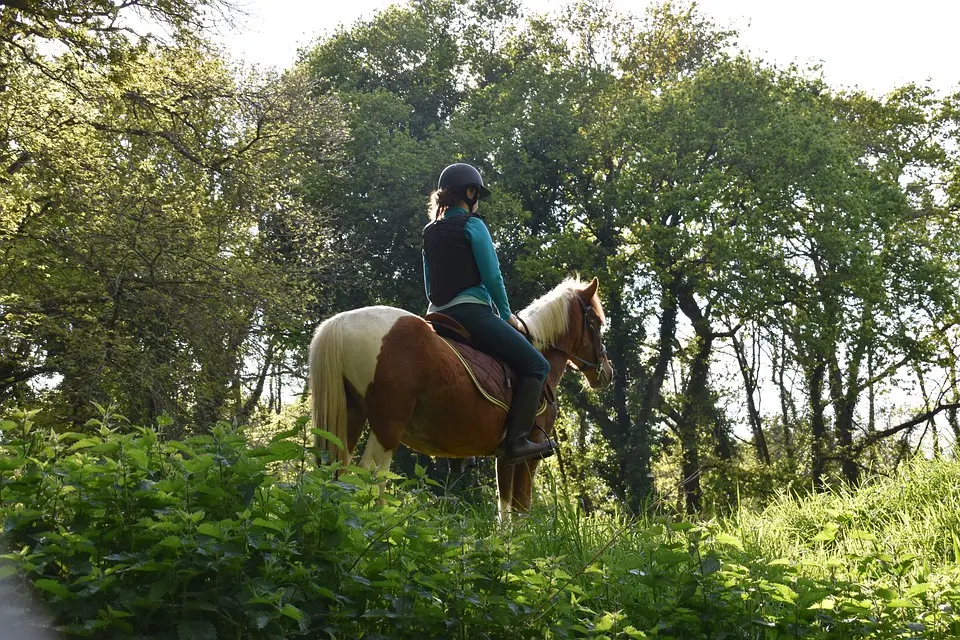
(558, 359)
(558, 364)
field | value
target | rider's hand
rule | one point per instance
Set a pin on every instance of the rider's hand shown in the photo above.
(514, 322)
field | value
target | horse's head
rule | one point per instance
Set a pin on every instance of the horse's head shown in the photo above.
(568, 321)
(589, 354)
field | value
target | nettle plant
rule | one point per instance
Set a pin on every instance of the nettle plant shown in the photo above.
(124, 534)
(115, 532)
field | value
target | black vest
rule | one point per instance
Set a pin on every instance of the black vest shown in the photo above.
(449, 258)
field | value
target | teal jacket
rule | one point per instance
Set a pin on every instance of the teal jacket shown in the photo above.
(491, 289)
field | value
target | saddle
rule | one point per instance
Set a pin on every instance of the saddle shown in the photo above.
(493, 378)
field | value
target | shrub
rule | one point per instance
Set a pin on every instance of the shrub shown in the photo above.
(122, 534)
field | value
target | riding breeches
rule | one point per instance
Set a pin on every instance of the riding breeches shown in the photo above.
(494, 336)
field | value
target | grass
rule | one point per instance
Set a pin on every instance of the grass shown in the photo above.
(121, 534)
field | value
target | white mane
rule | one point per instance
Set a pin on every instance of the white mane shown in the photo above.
(548, 317)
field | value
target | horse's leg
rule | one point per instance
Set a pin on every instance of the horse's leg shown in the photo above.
(376, 457)
(523, 485)
(356, 420)
(505, 476)
(389, 410)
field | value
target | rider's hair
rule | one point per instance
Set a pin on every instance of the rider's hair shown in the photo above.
(441, 200)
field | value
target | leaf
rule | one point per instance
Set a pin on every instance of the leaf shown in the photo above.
(54, 587)
(10, 464)
(283, 435)
(139, 457)
(282, 450)
(827, 603)
(780, 562)
(210, 529)
(326, 435)
(273, 525)
(182, 448)
(785, 593)
(86, 443)
(6, 570)
(164, 420)
(671, 557)
(859, 534)
(902, 603)
(291, 611)
(917, 589)
(725, 538)
(261, 619)
(7, 425)
(711, 564)
(170, 542)
(827, 535)
(606, 622)
(808, 598)
(196, 630)
(114, 614)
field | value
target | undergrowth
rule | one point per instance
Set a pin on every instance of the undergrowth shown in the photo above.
(118, 533)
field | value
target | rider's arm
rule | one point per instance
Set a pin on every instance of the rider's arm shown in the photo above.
(486, 257)
(426, 276)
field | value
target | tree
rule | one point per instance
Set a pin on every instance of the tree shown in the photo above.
(140, 222)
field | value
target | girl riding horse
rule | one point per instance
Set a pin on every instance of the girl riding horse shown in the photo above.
(461, 276)
(386, 367)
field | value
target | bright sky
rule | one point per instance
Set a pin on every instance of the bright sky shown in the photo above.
(873, 44)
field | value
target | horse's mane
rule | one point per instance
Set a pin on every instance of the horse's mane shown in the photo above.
(548, 317)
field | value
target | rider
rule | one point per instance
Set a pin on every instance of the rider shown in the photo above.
(461, 275)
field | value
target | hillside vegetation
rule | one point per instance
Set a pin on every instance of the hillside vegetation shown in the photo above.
(126, 535)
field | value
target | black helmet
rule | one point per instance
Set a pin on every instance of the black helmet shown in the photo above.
(459, 176)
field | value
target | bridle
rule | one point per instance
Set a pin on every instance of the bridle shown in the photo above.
(591, 323)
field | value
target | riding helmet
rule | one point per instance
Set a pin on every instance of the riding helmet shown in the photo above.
(460, 176)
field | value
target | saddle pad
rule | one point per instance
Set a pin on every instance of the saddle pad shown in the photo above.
(493, 379)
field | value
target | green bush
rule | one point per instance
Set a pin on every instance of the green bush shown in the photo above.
(121, 534)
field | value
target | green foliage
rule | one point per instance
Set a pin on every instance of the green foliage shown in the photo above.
(171, 230)
(153, 241)
(120, 534)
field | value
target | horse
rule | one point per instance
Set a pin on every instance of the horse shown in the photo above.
(387, 367)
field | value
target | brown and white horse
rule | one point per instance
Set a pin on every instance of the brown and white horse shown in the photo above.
(386, 366)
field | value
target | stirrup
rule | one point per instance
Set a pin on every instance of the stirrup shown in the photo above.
(534, 451)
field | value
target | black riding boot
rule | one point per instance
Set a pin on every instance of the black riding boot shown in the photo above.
(523, 411)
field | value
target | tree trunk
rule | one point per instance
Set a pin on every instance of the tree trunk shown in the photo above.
(952, 413)
(750, 386)
(779, 377)
(818, 425)
(251, 403)
(630, 441)
(698, 409)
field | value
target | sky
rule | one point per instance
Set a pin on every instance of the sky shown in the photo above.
(873, 45)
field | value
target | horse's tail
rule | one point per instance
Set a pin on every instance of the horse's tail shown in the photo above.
(329, 405)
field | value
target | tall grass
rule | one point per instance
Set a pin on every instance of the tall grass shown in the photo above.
(914, 512)
(124, 535)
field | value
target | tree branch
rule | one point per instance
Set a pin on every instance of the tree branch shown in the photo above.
(886, 433)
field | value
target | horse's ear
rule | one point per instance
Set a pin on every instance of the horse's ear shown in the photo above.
(591, 289)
